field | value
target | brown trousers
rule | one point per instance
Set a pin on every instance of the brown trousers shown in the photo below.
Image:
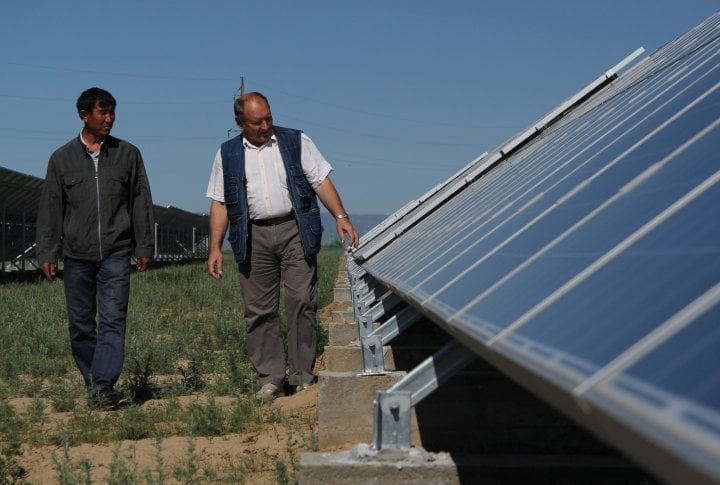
(275, 257)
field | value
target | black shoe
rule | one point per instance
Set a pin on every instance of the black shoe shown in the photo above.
(107, 399)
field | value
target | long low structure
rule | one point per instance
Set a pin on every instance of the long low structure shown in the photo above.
(179, 235)
(581, 259)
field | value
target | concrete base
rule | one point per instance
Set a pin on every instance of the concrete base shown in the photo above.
(342, 333)
(342, 295)
(346, 408)
(345, 358)
(343, 316)
(362, 466)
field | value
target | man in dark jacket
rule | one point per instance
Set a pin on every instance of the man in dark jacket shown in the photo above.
(95, 210)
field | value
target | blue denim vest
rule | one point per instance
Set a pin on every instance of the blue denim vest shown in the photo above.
(302, 195)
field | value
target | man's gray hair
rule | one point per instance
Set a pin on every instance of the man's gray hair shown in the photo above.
(239, 105)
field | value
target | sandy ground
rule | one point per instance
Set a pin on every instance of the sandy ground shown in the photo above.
(249, 457)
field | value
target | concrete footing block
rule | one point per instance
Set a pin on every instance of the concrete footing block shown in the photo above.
(342, 294)
(342, 333)
(343, 316)
(348, 358)
(362, 465)
(346, 408)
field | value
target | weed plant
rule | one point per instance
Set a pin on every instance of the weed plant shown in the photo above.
(189, 471)
(123, 469)
(134, 423)
(245, 416)
(69, 474)
(206, 419)
(62, 394)
(10, 445)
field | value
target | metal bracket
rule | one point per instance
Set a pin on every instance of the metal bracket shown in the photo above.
(392, 421)
(372, 344)
(364, 295)
(375, 313)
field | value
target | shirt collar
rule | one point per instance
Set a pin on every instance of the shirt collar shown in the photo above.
(82, 140)
(269, 143)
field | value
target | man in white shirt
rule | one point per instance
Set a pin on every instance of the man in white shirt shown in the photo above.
(264, 187)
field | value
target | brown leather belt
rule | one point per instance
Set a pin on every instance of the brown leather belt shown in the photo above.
(273, 221)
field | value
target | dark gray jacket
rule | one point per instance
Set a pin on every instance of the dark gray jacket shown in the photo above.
(90, 216)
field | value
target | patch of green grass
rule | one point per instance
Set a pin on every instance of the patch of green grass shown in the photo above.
(62, 395)
(245, 416)
(192, 378)
(10, 445)
(34, 332)
(281, 473)
(85, 426)
(206, 419)
(134, 423)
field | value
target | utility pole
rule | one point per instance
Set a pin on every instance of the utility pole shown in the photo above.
(240, 91)
(237, 94)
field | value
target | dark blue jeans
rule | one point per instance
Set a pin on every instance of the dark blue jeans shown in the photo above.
(101, 288)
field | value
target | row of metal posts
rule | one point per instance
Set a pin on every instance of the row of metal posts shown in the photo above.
(3, 235)
(372, 303)
(167, 244)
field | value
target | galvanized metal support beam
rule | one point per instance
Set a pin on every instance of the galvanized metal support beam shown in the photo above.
(393, 407)
(375, 313)
(372, 345)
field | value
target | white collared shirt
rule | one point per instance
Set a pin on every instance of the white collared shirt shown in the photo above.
(267, 190)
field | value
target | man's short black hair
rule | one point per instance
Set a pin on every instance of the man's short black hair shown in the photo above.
(95, 96)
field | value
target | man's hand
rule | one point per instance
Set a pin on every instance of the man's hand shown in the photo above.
(48, 270)
(215, 262)
(143, 263)
(218, 228)
(345, 227)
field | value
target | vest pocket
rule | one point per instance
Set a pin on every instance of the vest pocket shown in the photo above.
(311, 231)
(303, 187)
(232, 185)
(233, 235)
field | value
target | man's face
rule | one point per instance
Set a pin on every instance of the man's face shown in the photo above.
(99, 121)
(257, 127)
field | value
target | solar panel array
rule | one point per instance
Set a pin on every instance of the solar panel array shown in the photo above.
(585, 262)
(19, 196)
(180, 234)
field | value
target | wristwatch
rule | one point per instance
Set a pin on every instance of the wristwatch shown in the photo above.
(342, 216)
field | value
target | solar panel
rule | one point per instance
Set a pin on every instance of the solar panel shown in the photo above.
(589, 257)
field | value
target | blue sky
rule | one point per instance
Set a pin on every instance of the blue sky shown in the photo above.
(398, 95)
